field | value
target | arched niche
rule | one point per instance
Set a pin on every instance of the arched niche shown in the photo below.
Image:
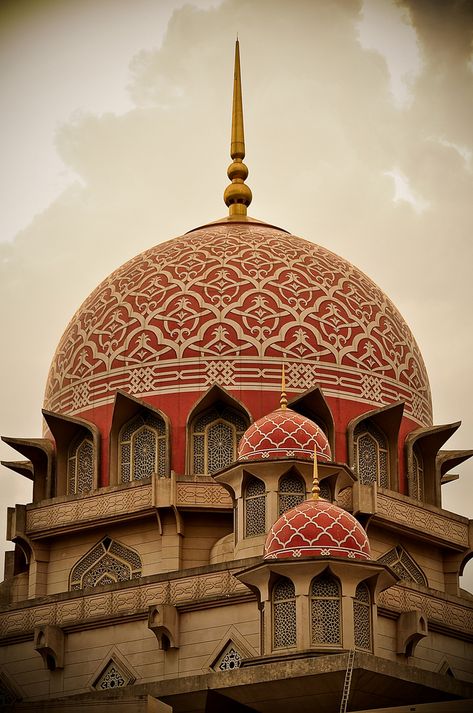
(39, 467)
(69, 434)
(423, 446)
(380, 423)
(127, 410)
(312, 404)
(214, 427)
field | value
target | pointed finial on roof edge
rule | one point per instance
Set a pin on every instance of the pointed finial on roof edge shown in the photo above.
(237, 195)
(315, 477)
(283, 399)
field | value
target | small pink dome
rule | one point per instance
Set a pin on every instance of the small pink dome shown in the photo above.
(284, 434)
(316, 528)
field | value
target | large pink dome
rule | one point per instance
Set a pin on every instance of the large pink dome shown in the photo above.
(284, 434)
(227, 303)
(317, 528)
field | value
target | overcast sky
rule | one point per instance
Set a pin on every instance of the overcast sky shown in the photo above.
(115, 136)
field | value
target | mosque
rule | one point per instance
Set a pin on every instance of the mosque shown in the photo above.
(237, 499)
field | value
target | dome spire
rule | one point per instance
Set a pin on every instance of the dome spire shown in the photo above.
(237, 195)
(283, 399)
(315, 477)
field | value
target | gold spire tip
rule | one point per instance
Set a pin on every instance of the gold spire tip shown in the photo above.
(283, 399)
(237, 195)
(315, 477)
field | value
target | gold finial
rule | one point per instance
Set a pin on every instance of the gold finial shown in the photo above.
(237, 195)
(315, 477)
(283, 399)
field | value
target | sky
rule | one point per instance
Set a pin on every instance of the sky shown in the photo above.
(115, 136)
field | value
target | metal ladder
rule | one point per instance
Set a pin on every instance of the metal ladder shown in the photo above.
(347, 684)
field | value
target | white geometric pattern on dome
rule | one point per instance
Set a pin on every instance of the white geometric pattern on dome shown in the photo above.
(316, 528)
(283, 433)
(246, 296)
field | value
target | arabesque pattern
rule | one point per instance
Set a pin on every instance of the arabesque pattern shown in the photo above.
(284, 433)
(316, 528)
(228, 303)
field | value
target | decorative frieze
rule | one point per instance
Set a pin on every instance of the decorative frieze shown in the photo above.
(437, 608)
(122, 602)
(87, 509)
(80, 512)
(418, 518)
(205, 494)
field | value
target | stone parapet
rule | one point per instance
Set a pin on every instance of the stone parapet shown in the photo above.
(89, 607)
(448, 529)
(68, 514)
(442, 611)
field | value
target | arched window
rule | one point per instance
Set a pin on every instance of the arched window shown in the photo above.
(284, 614)
(325, 491)
(416, 477)
(108, 562)
(215, 437)
(404, 565)
(143, 448)
(371, 454)
(291, 492)
(362, 617)
(80, 466)
(325, 611)
(255, 508)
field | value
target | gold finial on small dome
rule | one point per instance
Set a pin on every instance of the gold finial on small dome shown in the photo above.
(237, 195)
(315, 477)
(283, 399)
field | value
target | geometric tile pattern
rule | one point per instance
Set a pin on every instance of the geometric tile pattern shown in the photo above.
(230, 303)
(284, 433)
(316, 528)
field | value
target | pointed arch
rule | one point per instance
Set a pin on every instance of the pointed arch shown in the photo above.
(326, 610)
(362, 617)
(77, 453)
(80, 465)
(404, 565)
(372, 440)
(371, 454)
(313, 405)
(142, 443)
(109, 561)
(254, 499)
(291, 491)
(139, 440)
(214, 429)
(283, 599)
(424, 445)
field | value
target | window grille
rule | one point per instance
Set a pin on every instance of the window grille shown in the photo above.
(230, 660)
(143, 448)
(284, 614)
(106, 563)
(80, 466)
(325, 491)
(111, 677)
(404, 565)
(362, 617)
(255, 508)
(326, 611)
(215, 437)
(371, 455)
(416, 478)
(291, 492)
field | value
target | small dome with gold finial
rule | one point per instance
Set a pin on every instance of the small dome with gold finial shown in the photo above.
(317, 528)
(283, 434)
